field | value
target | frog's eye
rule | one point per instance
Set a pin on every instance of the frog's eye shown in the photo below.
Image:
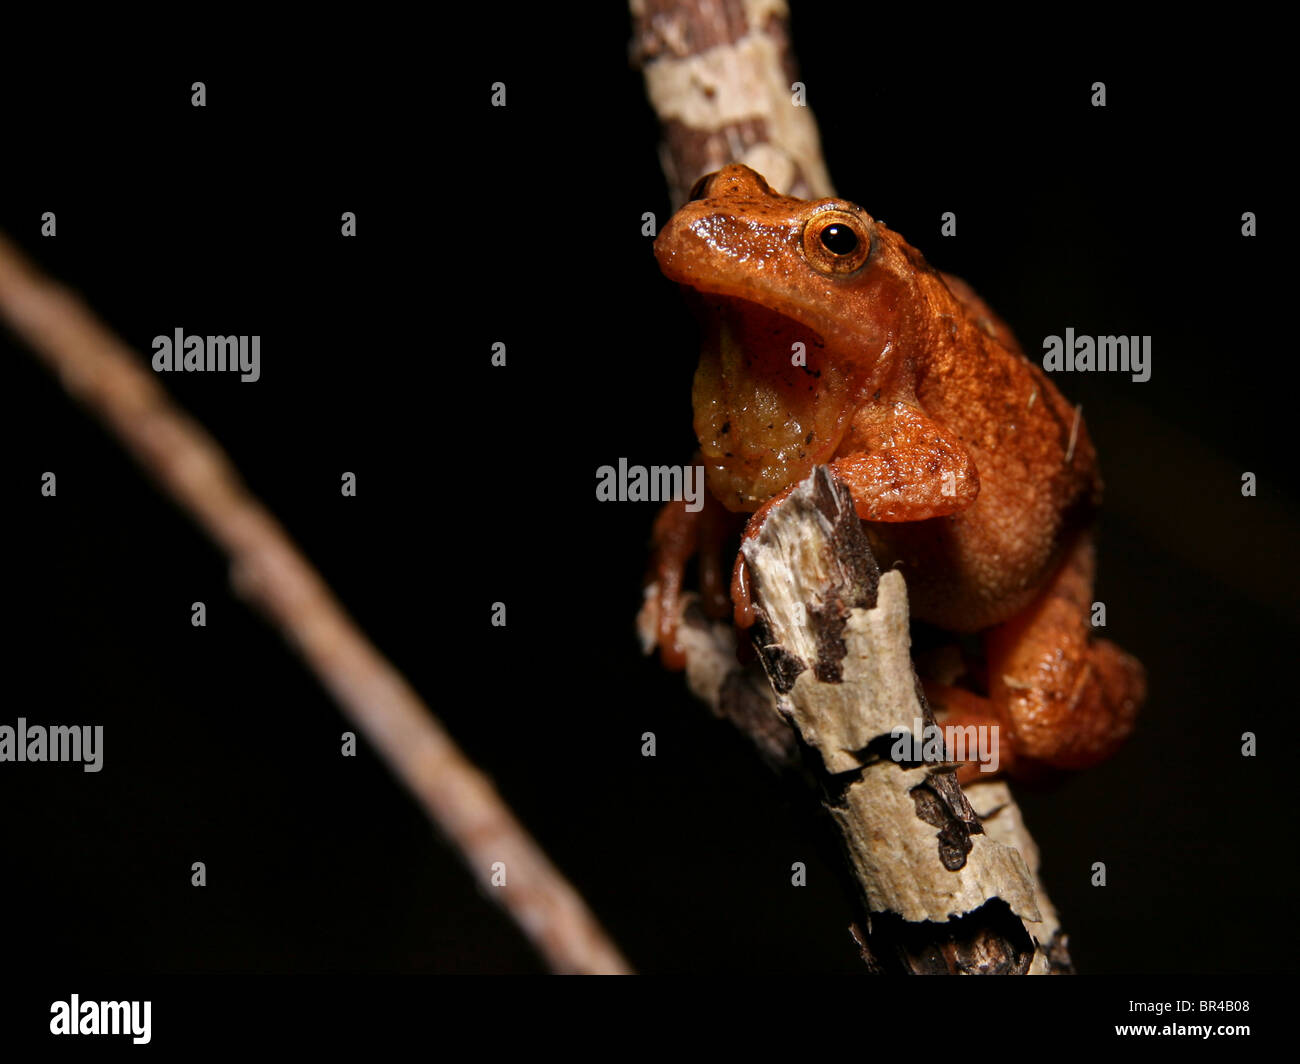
(836, 241)
(699, 188)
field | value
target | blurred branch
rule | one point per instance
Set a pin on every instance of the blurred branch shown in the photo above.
(268, 570)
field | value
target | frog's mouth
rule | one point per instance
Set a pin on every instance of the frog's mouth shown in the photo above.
(769, 403)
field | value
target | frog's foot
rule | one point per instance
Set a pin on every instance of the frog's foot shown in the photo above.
(1070, 700)
(983, 752)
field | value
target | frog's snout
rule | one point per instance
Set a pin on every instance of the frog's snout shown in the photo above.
(720, 207)
(735, 179)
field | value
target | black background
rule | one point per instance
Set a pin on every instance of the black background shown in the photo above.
(523, 225)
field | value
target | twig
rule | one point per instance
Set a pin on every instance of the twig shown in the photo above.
(269, 571)
(945, 885)
(941, 894)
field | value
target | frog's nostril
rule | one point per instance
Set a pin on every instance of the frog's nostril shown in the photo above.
(699, 189)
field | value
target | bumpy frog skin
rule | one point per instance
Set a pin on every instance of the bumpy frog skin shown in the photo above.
(969, 469)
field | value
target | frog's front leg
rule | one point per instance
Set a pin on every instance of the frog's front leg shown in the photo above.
(1060, 697)
(903, 467)
(678, 536)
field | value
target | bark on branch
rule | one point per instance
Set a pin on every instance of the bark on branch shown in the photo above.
(947, 880)
(833, 637)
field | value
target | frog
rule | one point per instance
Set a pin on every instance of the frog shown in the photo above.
(828, 340)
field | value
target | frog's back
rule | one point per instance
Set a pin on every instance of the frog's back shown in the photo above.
(1039, 482)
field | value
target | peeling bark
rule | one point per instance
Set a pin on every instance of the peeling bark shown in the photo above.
(941, 888)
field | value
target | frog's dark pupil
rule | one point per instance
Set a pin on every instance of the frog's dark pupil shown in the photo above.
(839, 239)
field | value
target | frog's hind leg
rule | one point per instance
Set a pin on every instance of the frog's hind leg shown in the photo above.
(960, 708)
(1068, 699)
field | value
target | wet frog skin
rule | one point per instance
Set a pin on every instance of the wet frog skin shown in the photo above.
(828, 339)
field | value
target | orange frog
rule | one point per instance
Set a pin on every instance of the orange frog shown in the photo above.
(828, 339)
